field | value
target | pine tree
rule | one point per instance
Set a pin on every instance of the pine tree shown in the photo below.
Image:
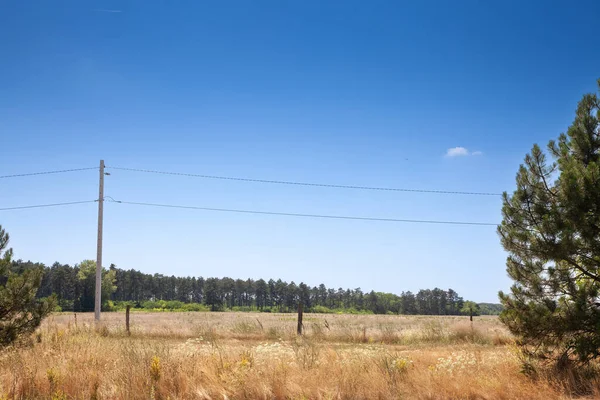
(20, 312)
(551, 230)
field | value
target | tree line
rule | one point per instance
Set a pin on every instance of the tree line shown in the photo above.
(74, 286)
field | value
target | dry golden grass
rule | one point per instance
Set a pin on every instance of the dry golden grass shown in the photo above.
(259, 356)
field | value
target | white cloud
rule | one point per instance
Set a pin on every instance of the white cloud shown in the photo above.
(461, 152)
(457, 152)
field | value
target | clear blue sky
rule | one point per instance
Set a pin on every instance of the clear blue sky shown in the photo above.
(347, 92)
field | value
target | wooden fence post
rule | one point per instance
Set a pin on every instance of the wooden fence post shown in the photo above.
(300, 309)
(127, 319)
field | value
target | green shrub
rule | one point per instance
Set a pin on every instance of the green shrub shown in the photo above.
(152, 305)
(66, 305)
(109, 306)
(321, 310)
(174, 305)
(353, 310)
(195, 307)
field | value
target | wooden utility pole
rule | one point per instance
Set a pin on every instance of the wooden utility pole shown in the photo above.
(99, 249)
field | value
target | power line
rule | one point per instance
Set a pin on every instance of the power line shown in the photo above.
(47, 172)
(286, 214)
(48, 205)
(230, 178)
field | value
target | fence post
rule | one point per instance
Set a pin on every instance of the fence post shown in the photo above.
(127, 319)
(300, 309)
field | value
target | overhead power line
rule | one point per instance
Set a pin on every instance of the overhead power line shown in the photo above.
(287, 214)
(327, 185)
(46, 172)
(48, 205)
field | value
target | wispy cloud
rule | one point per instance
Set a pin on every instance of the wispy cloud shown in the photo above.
(461, 152)
(106, 10)
(457, 152)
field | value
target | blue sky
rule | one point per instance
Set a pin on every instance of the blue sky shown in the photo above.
(352, 92)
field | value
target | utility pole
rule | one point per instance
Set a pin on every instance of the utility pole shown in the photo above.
(99, 250)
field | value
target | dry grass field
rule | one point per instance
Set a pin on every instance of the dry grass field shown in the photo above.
(259, 356)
